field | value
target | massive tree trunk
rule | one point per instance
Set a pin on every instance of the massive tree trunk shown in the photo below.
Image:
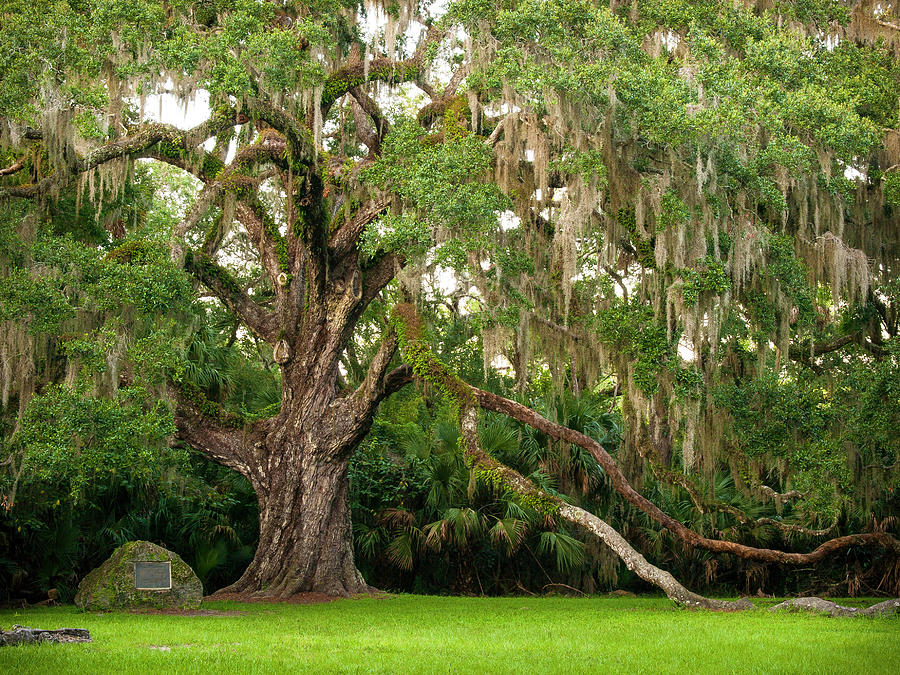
(305, 538)
(297, 463)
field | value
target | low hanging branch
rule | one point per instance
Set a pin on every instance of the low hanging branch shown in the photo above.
(15, 167)
(427, 367)
(526, 415)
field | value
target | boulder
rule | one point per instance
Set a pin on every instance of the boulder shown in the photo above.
(114, 585)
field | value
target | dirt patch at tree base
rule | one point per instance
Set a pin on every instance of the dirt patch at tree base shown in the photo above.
(296, 599)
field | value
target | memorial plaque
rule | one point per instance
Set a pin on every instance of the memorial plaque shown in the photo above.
(153, 576)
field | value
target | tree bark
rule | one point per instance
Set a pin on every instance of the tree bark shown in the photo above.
(297, 465)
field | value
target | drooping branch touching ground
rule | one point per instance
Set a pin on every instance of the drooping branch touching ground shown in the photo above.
(526, 415)
(818, 605)
(426, 366)
(504, 477)
(417, 353)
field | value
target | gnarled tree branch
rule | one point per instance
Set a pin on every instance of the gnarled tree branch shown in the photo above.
(345, 237)
(133, 145)
(261, 321)
(220, 442)
(379, 69)
(705, 505)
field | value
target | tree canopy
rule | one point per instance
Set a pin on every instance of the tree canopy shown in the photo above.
(685, 211)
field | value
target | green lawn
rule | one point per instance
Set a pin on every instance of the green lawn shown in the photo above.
(404, 634)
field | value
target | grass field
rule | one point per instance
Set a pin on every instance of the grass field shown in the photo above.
(416, 634)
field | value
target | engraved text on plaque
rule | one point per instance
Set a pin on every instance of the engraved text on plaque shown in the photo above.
(153, 575)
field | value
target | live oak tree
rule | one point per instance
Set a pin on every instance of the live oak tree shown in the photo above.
(698, 198)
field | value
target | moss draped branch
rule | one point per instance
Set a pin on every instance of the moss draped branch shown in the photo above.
(495, 403)
(705, 505)
(347, 78)
(380, 69)
(208, 429)
(135, 144)
(426, 366)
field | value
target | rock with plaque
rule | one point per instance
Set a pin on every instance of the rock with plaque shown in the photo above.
(140, 575)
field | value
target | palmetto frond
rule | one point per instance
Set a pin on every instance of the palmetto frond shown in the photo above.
(569, 552)
(457, 526)
(509, 533)
(401, 550)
